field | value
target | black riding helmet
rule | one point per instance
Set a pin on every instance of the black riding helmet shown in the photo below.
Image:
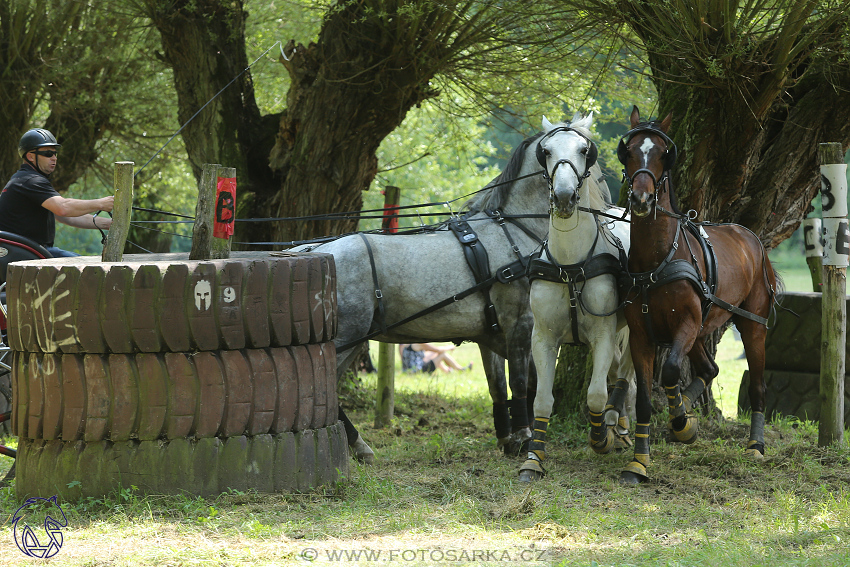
(35, 139)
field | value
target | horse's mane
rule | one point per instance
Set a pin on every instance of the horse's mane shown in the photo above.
(497, 195)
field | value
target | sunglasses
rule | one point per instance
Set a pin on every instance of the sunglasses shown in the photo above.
(48, 153)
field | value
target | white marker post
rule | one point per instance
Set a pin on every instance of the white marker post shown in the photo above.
(836, 252)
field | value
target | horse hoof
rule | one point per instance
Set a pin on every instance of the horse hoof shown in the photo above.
(517, 443)
(604, 446)
(631, 478)
(622, 441)
(754, 454)
(531, 470)
(529, 476)
(688, 432)
(363, 453)
(634, 473)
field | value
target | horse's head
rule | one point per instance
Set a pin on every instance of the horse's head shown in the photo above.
(566, 144)
(648, 155)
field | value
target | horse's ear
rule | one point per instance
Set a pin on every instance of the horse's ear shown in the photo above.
(665, 124)
(634, 119)
(576, 116)
(546, 124)
(589, 119)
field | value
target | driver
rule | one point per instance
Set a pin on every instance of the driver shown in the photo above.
(29, 205)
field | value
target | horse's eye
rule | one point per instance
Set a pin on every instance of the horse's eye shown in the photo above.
(584, 151)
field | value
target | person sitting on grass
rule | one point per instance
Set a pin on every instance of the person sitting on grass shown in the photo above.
(426, 357)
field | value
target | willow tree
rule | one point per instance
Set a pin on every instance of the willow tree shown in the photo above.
(32, 33)
(370, 63)
(753, 88)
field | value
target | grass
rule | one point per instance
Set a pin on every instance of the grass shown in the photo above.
(441, 494)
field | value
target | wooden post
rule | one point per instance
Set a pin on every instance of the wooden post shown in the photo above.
(202, 233)
(813, 243)
(221, 246)
(121, 212)
(385, 406)
(834, 314)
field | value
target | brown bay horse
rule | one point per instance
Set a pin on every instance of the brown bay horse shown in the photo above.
(688, 279)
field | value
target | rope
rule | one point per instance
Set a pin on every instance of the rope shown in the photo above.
(205, 105)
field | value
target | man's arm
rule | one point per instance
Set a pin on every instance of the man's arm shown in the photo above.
(86, 221)
(62, 207)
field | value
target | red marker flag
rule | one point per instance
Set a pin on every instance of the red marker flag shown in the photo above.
(225, 207)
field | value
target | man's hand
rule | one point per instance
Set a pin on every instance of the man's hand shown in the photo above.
(106, 204)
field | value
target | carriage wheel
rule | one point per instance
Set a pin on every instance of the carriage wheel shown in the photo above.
(5, 416)
(80, 305)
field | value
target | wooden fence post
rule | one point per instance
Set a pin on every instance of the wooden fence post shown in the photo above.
(224, 212)
(385, 406)
(836, 249)
(813, 243)
(205, 244)
(121, 212)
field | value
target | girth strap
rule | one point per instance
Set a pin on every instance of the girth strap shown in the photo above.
(479, 264)
(382, 318)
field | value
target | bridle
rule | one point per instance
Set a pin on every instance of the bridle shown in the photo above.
(591, 156)
(670, 153)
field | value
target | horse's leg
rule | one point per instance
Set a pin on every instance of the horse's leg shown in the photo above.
(753, 335)
(519, 356)
(544, 351)
(603, 351)
(494, 370)
(643, 355)
(621, 401)
(362, 452)
(683, 423)
(705, 370)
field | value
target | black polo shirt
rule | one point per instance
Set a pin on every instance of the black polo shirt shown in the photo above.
(20, 206)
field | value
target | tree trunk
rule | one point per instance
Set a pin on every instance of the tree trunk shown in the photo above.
(572, 378)
(204, 43)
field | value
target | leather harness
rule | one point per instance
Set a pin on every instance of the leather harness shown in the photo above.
(476, 258)
(681, 269)
(574, 276)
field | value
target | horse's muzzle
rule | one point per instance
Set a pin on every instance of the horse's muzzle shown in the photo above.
(641, 205)
(565, 207)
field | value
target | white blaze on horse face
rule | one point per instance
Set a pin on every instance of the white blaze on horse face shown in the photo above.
(646, 147)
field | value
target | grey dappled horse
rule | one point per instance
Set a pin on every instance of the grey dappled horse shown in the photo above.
(415, 272)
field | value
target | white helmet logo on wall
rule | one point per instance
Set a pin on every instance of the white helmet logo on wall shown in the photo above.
(203, 295)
